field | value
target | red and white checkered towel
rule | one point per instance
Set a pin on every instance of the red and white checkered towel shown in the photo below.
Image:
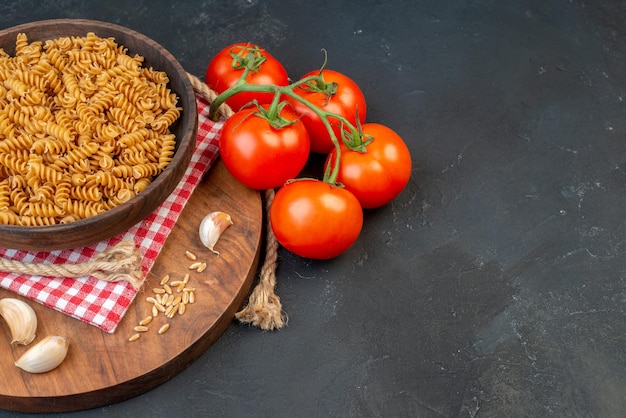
(102, 303)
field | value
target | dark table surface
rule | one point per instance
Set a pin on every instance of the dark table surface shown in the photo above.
(494, 285)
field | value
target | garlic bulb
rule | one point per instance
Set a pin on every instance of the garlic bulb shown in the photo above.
(20, 318)
(212, 227)
(44, 356)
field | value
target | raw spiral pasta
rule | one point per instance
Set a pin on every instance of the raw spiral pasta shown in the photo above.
(84, 127)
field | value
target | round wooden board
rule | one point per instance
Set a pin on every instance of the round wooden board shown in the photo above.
(103, 368)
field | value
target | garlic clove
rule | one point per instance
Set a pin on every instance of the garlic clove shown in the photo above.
(20, 318)
(44, 356)
(212, 227)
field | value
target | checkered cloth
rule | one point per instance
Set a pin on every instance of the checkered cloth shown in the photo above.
(102, 303)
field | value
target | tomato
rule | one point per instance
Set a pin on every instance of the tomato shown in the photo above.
(260, 155)
(346, 101)
(227, 66)
(378, 175)
(315, 219)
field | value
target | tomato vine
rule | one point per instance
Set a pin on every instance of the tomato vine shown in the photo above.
(352, 132)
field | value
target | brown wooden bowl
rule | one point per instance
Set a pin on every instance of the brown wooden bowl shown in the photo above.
(114, 221)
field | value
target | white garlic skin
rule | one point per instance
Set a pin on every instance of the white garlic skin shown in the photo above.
(21, 319)
(212, 227)
(44, 356)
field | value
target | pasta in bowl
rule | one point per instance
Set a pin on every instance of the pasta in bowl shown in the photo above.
(97, 126)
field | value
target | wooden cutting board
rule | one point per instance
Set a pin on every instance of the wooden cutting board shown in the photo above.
(103, 368)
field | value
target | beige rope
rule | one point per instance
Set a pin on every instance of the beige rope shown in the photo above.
(122, 262)
(203, 90)
(264, 309)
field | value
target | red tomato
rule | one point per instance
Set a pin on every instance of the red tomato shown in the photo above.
(347, 101)
(314, 219)
(224, 71)
(378, 175)
(259, 155)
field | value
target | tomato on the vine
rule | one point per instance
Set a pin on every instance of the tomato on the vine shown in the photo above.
(377, 175)
(227, 67)
(315, 219)
(260, 155)
(338, 94)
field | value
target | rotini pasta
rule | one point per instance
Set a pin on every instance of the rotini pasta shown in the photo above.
(19, 200)
(5, 191)
(13, 164)
(43, 193)
(43, 209)
(141, 184)
(62, 192)
(16, 142)
(109, 181)
(83, 209)
(9, 218)
(34, 220)
(166, 154)
(122, 171)
(145, 170)
(84, 127)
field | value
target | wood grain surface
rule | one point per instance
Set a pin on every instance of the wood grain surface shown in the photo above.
(103, 368)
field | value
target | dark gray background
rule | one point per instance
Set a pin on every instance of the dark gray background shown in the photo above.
(494, 285)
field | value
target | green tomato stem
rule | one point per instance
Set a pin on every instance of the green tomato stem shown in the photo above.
(274, 109)
(329, 177)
